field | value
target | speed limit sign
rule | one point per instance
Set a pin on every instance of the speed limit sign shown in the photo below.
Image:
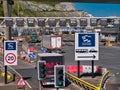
(10, 52)
(10, 58)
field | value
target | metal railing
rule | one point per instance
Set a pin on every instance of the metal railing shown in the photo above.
(103, 79)
(86, 85)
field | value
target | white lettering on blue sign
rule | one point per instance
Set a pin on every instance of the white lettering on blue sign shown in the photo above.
(86, 40)
(10, 45)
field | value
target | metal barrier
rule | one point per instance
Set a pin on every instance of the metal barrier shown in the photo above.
(103, 79)
(2, 74)
(81, 82)
(86, 85)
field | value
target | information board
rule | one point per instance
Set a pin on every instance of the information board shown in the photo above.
(9, 22)
(52, 22)
(73, 22)
(62, 22)
(10, 52)
(86, 46)
(41, 21)
(31, 22)
(83, 22)
(20, 22)
(93, 22)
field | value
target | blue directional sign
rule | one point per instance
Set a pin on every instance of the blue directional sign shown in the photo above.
(86, 40)
(44, 50)
(10, 52)
(86, 46)
(32, 55)
(10, 45)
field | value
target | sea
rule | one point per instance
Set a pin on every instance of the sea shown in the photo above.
(99, 9)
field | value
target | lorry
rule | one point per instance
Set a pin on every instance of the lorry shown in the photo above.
(52, 42)
(51, 60)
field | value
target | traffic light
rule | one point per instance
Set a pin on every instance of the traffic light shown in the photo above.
(59, 72)
(73, 22)
(41, 70)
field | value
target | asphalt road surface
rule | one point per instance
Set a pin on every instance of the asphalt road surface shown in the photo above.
(109, 58)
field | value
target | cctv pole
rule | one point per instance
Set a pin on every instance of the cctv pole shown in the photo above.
(7, 7)
(9, 15)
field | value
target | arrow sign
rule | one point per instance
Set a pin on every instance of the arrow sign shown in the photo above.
(86, 46)
(86, 56)
(32, 55)
(21, 82)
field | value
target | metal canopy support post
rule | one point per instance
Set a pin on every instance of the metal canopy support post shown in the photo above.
(9, 14)
(92, 68)
(78, 68)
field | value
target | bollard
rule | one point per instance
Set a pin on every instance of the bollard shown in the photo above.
(99, 88)
(8, 77)
(3, 74)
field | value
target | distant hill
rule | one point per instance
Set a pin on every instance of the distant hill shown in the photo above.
(44, 9)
